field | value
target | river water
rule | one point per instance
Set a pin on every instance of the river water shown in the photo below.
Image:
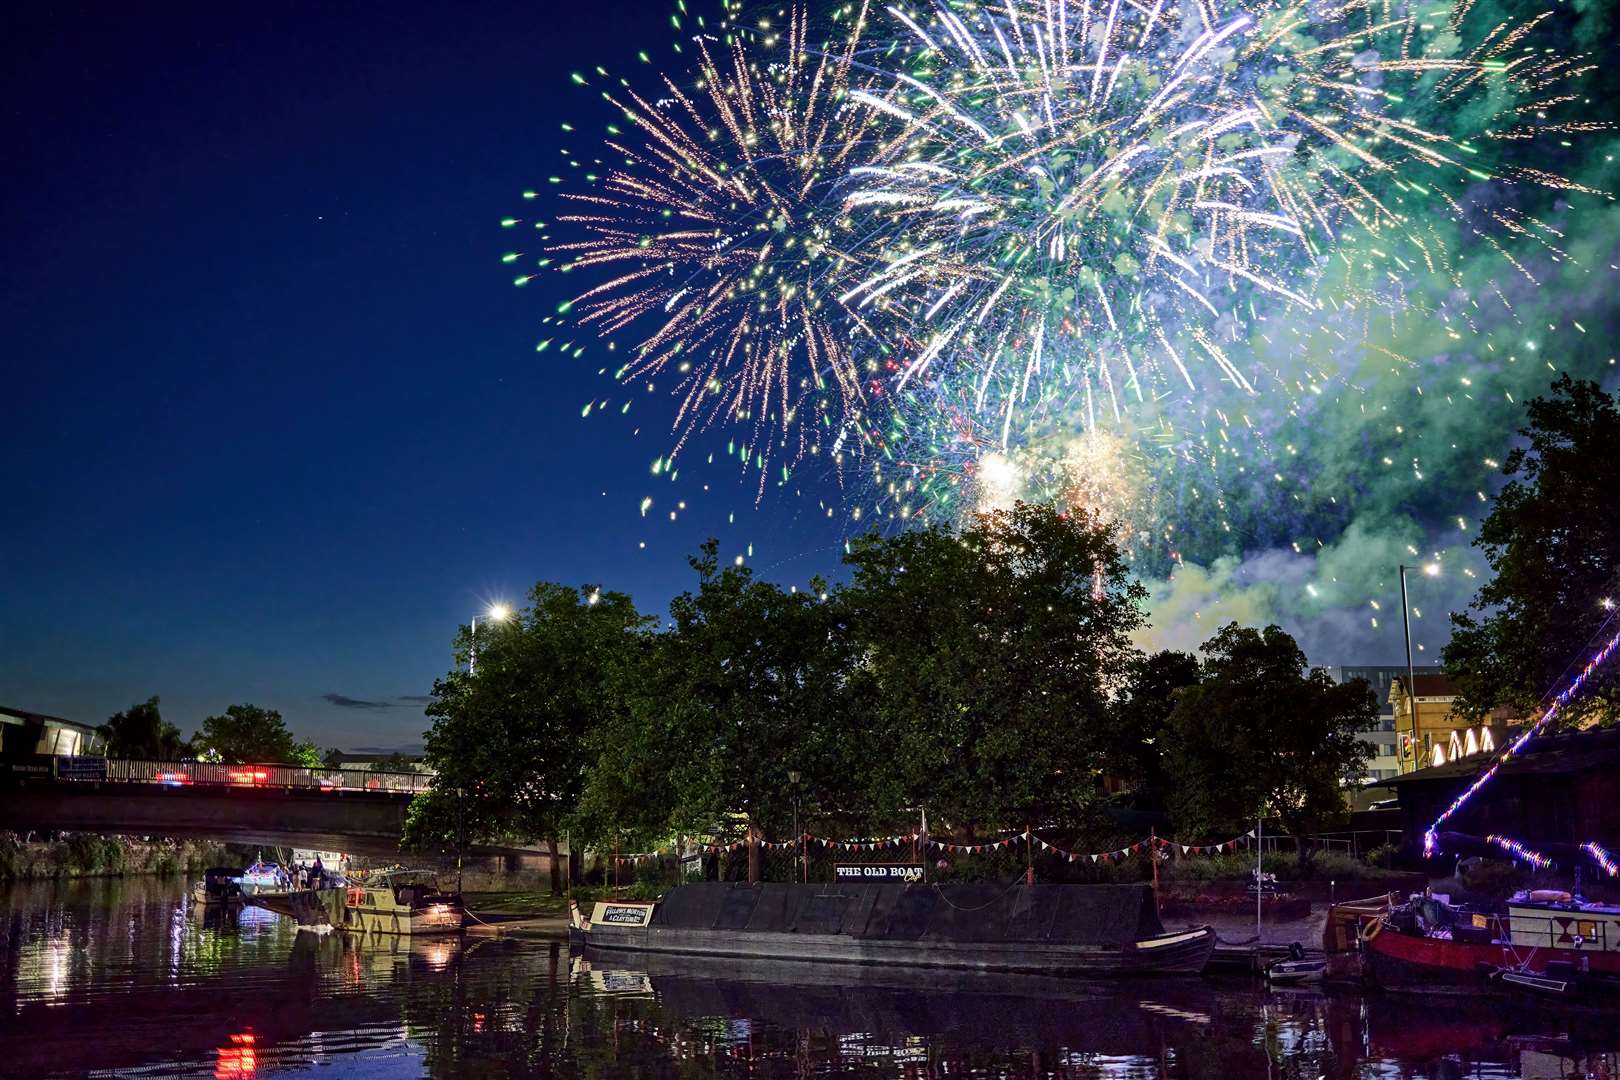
(120, 978)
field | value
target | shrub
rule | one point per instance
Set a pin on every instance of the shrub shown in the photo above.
(1383, 856)
(1493, 877)
(1339, 866)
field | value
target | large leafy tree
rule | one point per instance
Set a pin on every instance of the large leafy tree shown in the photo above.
(511, 741)
(988, 658)
(1260, 733)
(742, 689)
(141, 733)
(1134, 744)
(1553, 541)
(251, 733)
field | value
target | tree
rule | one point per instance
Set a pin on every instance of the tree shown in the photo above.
(1552, 539)
(251, 734)
(988, 659)
(141, 733)
(1260, 734)
(510, 742)
(741, 690)
(1134, 743)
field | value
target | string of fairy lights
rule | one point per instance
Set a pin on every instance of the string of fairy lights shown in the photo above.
(1516, 848)
(1158, 844)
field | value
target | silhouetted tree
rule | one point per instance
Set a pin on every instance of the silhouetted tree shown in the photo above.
(141, 733)
(1553, 540)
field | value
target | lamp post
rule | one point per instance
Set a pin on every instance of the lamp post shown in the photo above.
(793, 782)
(1431, 569)
(496, 613)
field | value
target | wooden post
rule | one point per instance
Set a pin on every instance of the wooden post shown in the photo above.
(1029, 855)
(1259, 881)
(753, 856)
(1153, 856)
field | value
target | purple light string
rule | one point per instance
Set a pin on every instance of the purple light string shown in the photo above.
(1430, 839)
(1602, 858)
(1519, 851)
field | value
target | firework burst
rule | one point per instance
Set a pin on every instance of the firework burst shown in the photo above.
(718, 228)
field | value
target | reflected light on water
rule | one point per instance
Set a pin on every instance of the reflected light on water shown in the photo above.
(240, 1058)
(160, 996)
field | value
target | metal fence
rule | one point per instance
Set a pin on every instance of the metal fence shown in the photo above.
(213, 774)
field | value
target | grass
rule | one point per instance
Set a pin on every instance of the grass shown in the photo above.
(532, 904)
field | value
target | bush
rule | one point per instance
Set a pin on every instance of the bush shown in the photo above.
(1338, 866)
(1493, 877)
(1383, 856)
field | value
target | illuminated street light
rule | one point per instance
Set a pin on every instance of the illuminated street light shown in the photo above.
(497, 613)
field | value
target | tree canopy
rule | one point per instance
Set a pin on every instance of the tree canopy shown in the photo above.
(1552, 539)
(987, 658)
(141, 733)
(985, 675)
(1259, 733)
(510, 742)
(250, 733)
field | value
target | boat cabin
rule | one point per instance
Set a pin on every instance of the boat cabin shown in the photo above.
(1564, 924)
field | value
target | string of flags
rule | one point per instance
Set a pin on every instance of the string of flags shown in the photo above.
(1157, 843)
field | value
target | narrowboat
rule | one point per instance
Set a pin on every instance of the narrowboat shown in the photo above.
(1088, 930)
(403, 902)
(1548, 941)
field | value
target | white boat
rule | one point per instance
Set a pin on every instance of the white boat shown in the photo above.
(263, 877)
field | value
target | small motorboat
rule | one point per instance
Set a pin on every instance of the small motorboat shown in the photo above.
(1292, 972)
(218, 886)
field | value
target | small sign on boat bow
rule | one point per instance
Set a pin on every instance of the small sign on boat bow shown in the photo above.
(625, 914)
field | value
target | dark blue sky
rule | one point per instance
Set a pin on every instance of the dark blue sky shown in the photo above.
(274, 421)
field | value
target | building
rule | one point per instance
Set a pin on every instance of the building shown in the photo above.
(23, 733)
(1560, 789)
(1431, 732)
(1383, 738)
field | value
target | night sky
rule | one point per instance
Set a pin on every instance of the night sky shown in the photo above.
(275, 424)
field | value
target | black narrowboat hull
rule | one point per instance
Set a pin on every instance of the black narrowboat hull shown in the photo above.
(1184, 952)
(1050, 929)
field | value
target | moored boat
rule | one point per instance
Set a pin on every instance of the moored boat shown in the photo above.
(263, 877)
(1095, 930)
(403, 902)
(1547, 942)
(218, 886)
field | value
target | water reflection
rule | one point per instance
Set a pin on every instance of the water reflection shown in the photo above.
(123, 977)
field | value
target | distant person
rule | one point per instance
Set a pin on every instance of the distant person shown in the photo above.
(317, 874)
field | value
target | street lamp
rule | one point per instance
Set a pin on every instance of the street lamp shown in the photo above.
(1432, 569)
(496, 613)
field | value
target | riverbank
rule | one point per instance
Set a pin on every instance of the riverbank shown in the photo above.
(86, 855)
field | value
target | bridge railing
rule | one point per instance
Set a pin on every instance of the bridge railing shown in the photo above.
(214, 774)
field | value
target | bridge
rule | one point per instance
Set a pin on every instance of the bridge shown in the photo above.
(354, 810)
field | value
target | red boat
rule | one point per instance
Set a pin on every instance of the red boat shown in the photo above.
(1547, 943)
